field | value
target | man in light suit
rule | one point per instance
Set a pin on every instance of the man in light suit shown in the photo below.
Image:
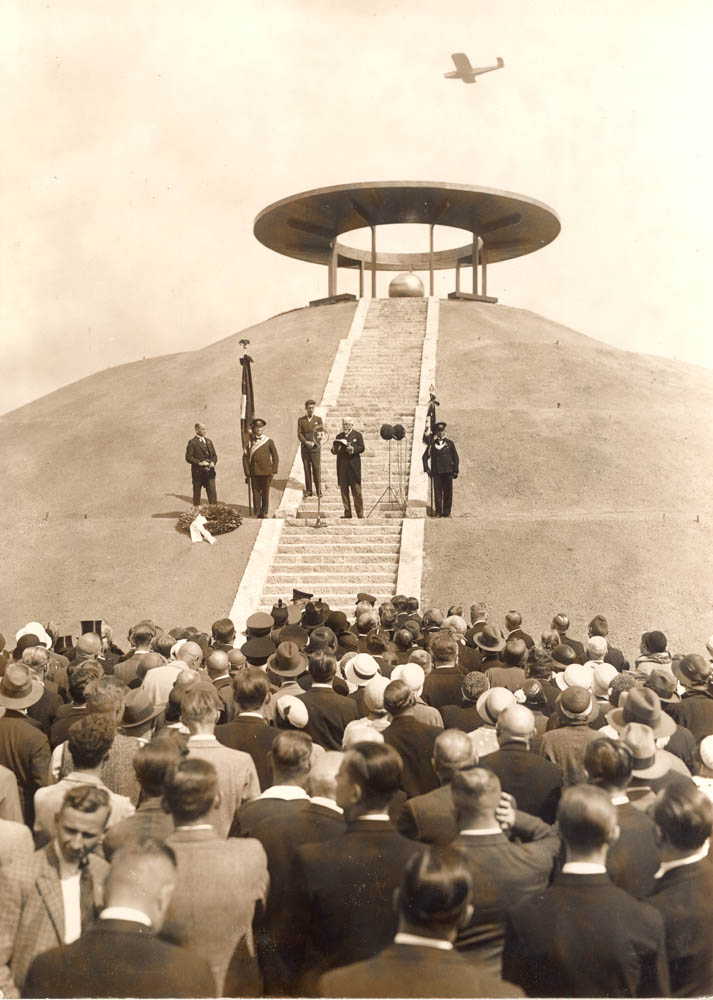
(307, 427)
(260, 463)
(51, 897)
(348, 447)
(201, 456)
(214, 877)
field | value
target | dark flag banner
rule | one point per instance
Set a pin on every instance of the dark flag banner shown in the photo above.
(247, 400)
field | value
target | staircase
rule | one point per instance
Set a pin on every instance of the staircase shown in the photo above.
(380, 386)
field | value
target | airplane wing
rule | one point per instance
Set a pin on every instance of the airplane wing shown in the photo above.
(462, 62)
(479, 70)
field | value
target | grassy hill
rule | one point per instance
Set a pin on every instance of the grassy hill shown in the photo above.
(584, 470)
(94, 477)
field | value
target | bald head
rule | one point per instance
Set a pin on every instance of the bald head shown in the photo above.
(323, 774)
(217, 663)
(237, 660)
(452, 751)
(88, 646)
(476, 794)
(191, 654)
(515, 724)
(142, 877)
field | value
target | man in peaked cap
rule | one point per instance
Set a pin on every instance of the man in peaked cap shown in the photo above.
(261, 462)
(259, 625)
(307, 428)
(441, 462)
(257, 651)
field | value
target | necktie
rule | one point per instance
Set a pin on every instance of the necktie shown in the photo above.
(86, 895)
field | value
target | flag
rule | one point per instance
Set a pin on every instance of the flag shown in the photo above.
(247, 401)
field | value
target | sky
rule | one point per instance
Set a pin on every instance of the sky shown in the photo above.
(142, 139)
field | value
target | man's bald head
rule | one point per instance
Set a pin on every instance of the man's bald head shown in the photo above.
(515, 724)
(323, 774)
(142, 877)
(191, 654)
(452, 751)
(89, 646)
(217, 663)
(476, 794)
(237, 660)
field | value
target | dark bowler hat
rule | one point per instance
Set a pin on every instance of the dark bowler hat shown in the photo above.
(17, 687)
(28, 641)
(490, 640)
(279, 614)
(287, 660)
(256, 651)
(641, 705)
(366, 597)
(294, 633)
(312, 617)
(664, 684)
(337, 621)
(320, 638)
(563, 655)
(348, 642)
(138, 708)
(259, 625)
(692, 670)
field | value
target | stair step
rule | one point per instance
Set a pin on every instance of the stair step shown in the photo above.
(334, 589)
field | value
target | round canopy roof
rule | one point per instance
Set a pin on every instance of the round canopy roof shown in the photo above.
(306, 225)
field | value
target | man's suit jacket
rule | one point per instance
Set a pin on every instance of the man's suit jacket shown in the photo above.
(220, 884)
(59, 730)
(684, 898)
(254, 736)
(518, 633)
(442, 686)
(9, 796)
(128, 670)
(503, 873)
(329, 715)
(405, 970)
(120, 958)
(584, 937)
(32, 912)
(430, 818)
(616, 658)
(197, 451)
(633, 859)
(44, 711)
(695, 712)
(25, 751)
(576, 645)
(263, 460)
(461, 716)
(414, 741)
(349, 466)
(511, 678)
(150, 821)
(307, 427)
(275, 812)
(237, 780)
(15, 842)
(344, 891)
(535, 783)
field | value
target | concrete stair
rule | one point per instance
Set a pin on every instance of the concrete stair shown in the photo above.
(380, 386)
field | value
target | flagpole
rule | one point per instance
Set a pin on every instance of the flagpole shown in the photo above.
(247, 412)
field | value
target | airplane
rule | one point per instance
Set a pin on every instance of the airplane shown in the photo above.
(467, 73)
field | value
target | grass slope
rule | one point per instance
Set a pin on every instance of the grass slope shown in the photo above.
(583, 470)
(94, 477)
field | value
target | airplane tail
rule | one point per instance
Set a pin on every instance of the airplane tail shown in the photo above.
(500, 62)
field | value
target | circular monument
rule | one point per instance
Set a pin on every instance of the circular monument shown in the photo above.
(405, 286)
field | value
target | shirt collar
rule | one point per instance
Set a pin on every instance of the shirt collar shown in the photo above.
(583, 868)
(375, 815)
(423, 942)
(322, 800)
(252, 715)
(285, 792)
(202, 737)
(320, 685)
(125, 913)
(667, 866)
(484, 832)
(620, 800)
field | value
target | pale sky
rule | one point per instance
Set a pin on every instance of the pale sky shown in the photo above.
(142, 138)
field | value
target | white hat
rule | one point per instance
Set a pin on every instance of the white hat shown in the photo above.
(360, 669)
(575, 675)
(34, 628)
(411, 674)
(604, 674)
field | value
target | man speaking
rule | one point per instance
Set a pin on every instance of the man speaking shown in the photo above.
(201, 456)
(348, 447)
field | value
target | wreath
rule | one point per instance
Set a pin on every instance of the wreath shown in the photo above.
(220, 518)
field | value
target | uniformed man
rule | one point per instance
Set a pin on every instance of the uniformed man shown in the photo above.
(442, 467)
(261, 463)
(307, 427)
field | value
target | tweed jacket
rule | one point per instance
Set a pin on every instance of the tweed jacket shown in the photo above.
(9, 796)
(117, 771)
(237, 779)
(566, 747)
(32, 913)
(15, 842)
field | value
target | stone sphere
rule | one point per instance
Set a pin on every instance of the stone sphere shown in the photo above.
(404, 285)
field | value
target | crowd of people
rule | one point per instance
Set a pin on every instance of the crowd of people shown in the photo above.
(399, 802)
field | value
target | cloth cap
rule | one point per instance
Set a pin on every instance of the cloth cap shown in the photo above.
(349, 642)
(337, 621)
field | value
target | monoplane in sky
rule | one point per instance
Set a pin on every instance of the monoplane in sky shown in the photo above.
(467, 73)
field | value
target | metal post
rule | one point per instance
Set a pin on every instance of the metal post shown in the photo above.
(430, 260)
(484, 267)
(458, 277)
(373, 262)
(475, 263)
(361, 279)
(332, 273)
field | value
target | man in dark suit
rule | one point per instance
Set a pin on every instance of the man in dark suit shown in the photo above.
(260, 462)
(348, 447)
(45, 710)
(344, 885)
(560, 624)
(695, 709)
(440, 462)
(412, 739)
(120, 956)
(464, 714)
(201, 456)
(599, 626)
(291, 755)
(683, 892)
(23, 745)
(583, 936)
(442, 686)
(535, 783)
(307, 428)
(431, 818)
(217, 666)
(329, 713)
(432, 902)
(513, 629)
(249, 731)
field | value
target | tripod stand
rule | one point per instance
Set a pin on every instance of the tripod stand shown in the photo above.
(389, 492)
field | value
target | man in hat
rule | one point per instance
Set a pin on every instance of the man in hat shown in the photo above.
(54, 896)
(652, 768)
(201, 456)
(441, 464)
(260, 461)
(584, 936)
(695, 710)
(23, 746)
(284, 665)
(249, 730)
(307, 428)
(512, 674)
(490, 644)
(348, 447)
(566, 745)
(489, 707)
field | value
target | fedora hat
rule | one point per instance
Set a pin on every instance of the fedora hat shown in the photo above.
(492, 702)
(138, 708)
(337, 621)
(648, 761)
(641, 705)
(17, 687)
(664, 684)
(490, 640)
(360, 669)
(287, 660)
(692, 670)
(312, 617)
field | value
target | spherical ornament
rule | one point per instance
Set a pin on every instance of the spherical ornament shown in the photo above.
(406, 285)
